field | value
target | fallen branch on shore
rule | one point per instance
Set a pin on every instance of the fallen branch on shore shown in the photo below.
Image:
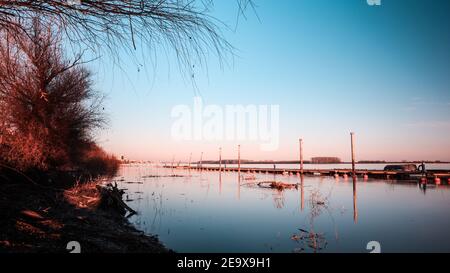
(111, 198)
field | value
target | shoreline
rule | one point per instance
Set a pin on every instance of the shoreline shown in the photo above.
(39, 219)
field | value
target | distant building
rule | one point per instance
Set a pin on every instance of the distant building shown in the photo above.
(325, 160)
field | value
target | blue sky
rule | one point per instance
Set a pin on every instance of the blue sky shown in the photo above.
(332, 66)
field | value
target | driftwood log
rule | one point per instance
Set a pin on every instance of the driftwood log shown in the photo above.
(111, 199)
(277, 185)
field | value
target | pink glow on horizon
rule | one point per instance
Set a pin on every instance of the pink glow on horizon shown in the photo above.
(164, 150)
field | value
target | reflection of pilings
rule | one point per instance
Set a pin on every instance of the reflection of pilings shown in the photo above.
(239, 189)
(190, 158)
(173, 161)
(239, 160)
(239, 172)
(301, 155)
(355, 207)
(302, 193)
(220, 183)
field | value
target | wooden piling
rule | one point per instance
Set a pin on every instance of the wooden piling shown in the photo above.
(239, 166)
(355, 206)
(239, 159)
(352, 135)
(173, 162)
(220, 159)
(302, 194)
(189, 164)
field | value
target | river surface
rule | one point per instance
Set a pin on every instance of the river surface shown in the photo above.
(208, 212)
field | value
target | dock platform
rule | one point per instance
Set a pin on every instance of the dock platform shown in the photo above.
(431, 175)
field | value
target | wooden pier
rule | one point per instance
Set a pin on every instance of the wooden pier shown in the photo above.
(434, 176)
(431, 175)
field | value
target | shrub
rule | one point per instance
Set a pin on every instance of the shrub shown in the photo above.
(48, 107)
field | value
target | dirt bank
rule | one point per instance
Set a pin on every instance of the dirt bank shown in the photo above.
(43, 219)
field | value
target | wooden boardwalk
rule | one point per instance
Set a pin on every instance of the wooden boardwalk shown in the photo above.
(443, 175)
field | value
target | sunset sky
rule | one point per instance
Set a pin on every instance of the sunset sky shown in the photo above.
(332, 67)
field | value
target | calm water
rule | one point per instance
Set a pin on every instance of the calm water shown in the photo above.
(205, 212)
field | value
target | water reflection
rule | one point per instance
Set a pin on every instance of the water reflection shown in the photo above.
(237, 217)
(302, 192)
(278, 199)
(239, 186)
(423, 187)
(355, 207)
(220, 182)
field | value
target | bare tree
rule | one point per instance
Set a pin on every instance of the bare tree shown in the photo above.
(186, 26)
(48, 108)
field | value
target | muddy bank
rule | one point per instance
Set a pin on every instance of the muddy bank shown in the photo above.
(37, 218)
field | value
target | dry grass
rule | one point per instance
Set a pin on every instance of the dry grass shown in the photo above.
(83, 195)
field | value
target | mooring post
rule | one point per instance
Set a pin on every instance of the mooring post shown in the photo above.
(189, 164)
(220, 159)
(239, 160)
(239, 172)
(173, 162)
(352, 136)
(301, 156)
(201, 161)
